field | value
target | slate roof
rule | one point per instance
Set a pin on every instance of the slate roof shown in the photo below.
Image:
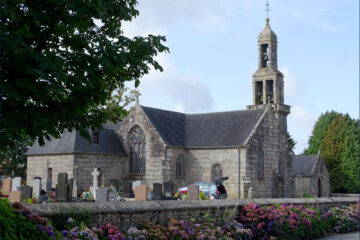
(208, 130)
(304, 164)
(72, 142)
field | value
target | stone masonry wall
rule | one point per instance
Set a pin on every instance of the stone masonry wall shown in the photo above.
(36, 167)
(111, 167)
(271, 142)
(200, 161)
(320, 172)
(127, 214)
(155, 147)
(170, 172)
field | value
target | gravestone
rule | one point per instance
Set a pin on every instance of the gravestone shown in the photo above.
(95, 185)
(157, 191)
(2, 177)
(193, 192)
(74, 191)
(127, 191)
(6, 186)
(26, 191)
(251, 193)
(62, 187)
(113, 194)
(70, 185)
(15, 196)
(43, 198)
(140, 193)
(168, 188)
(36, 186)
(114, 183)
(135, 184)
(102, 195)
(16, 184)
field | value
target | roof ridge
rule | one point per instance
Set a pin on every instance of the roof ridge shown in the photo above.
(208, 113)
(164, 110)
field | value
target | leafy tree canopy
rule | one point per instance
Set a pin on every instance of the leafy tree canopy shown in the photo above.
(60, 69)
(337, 136)
(318, 132)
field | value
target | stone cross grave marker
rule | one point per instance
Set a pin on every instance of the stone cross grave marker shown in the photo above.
(62, 188)
(193, 192)
(26, 191)
(16, 184)
(6, 186)
(126, 193)
(102, 195)
(103, 181)
(140, 193)
(157, 191)
(74, 187)
(168, 188)
(36, 186)
(48, 182)
(95, 185)
(114, 183)
(15, 196)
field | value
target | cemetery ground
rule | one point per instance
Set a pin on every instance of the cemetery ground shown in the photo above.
(248, 221)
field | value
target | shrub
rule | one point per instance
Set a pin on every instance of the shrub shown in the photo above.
(18, 222)
(282, 221)
(344, 219)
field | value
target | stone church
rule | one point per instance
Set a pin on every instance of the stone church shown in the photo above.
(153, 145)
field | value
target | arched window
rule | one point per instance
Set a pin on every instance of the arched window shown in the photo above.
(216, 172)
(180, 166)
(259, 166)
(137, 145)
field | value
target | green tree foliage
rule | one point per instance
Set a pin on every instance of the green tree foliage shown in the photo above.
(13, 157)
(62, 61)
(291, 141)
(330, 152)
(340, 150)
(318, 132)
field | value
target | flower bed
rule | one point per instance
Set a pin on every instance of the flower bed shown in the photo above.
(252, 222)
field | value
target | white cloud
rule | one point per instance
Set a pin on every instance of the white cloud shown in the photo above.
(175, 89)
(292, 88)
(300, 124)
(157, 16)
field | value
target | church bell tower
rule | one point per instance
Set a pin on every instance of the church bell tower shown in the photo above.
(268, 81)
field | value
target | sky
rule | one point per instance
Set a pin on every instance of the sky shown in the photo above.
(213, 55)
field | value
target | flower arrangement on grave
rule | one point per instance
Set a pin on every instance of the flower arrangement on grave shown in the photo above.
(87, 196)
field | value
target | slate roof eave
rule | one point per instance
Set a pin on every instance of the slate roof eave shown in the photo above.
(304, 165)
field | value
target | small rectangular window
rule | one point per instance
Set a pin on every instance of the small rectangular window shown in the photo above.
(95, 138)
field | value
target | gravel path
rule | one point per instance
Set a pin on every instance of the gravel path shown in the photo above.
(343, 236)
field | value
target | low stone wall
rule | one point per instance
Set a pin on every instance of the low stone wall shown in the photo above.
(126, 214)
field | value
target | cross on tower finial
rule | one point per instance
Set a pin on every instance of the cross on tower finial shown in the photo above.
(267, 9)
